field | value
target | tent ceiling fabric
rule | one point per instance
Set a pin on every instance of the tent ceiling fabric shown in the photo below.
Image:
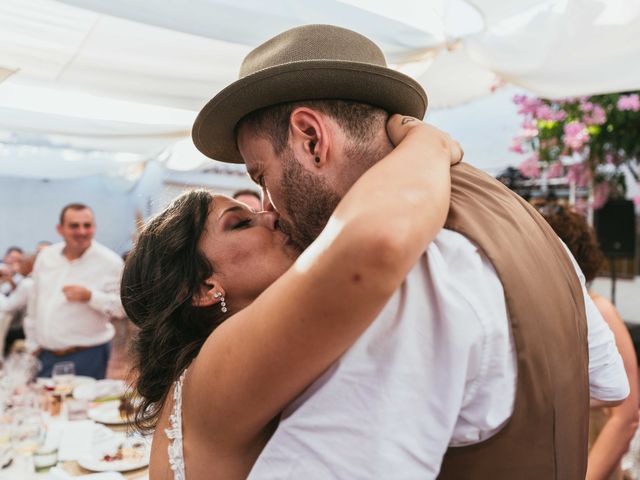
(163, 53)
(562, 48)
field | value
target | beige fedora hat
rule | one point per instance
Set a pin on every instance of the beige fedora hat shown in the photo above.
(312, 62)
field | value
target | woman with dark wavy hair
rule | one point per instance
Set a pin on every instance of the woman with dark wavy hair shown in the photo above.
(234, 326)
(610, 429)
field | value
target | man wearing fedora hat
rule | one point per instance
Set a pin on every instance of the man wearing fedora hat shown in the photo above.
(481, 365)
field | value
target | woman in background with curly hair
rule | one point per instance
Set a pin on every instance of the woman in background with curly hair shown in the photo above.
(617, 424)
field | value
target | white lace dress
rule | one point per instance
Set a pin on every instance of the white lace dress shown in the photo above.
(175, 451)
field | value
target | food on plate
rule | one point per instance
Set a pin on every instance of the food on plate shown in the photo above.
(134, 452)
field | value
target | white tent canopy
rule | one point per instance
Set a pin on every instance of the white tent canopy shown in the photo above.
(124, 76)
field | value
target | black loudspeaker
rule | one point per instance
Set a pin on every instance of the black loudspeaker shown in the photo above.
(615, 225)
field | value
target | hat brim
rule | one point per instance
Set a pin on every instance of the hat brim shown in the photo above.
(213, 131)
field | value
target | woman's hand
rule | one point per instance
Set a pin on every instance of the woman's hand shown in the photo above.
(399, 126)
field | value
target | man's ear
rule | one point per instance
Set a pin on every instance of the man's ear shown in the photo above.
(308, 134)
(59, 229)
(209, 294)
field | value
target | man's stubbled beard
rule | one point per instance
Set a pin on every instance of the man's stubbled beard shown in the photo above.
(308, 201)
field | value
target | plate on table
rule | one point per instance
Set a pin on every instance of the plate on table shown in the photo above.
(123, 455)
(77, 381)
(101, 390)
(108, 413)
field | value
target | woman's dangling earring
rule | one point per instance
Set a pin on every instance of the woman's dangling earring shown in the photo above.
(222, 302)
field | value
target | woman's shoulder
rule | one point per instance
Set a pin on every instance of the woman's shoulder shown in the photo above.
(608, 312)
(603, 304)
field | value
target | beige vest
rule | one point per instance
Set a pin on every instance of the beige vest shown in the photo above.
(546, 437)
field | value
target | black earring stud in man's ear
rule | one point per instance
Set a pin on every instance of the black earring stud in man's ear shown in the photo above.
(317, 160)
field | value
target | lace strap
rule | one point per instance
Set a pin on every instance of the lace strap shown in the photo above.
(175, 450)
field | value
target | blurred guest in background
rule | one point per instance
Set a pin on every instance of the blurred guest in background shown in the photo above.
(42, 244)
(75, 294)
(14, 305)
(249, 197)
(9, 276)
(611, 429)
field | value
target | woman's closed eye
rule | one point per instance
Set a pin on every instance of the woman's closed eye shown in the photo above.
(241, 224)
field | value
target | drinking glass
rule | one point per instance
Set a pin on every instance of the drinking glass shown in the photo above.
(63, 375)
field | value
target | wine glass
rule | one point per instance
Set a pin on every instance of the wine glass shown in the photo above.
(63, 375)
(27, 434)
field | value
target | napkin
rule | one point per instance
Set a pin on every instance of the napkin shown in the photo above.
(76, 439)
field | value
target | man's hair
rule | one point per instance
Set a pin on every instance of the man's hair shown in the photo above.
(13, 248)
(247, 191)
(72, 206)
(361, 122)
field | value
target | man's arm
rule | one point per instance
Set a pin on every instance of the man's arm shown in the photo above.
(104, 296)
(105, 300)
(17, 300)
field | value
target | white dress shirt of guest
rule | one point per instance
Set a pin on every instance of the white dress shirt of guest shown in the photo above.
(75, 290)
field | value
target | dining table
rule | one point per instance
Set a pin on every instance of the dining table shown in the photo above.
(69, 434)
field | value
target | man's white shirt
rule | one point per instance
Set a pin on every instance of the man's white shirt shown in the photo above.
(437, 368)
(54, 323)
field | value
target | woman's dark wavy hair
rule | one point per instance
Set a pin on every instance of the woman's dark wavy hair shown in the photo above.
(575, 232)
(161, 275)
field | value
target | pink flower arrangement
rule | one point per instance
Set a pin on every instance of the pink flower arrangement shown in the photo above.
(601, 131)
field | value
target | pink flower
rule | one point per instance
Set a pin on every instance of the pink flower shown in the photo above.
(544, 112)
(530, 167)
(600, 194)
(575, 135)
(519, 99)
(586, 106)
(560, 115)
(555, 170)
(527, 105)
(516, 146)
(528, 133)
(579, 174)
(629, 102)
(597, 117)
(636, 201)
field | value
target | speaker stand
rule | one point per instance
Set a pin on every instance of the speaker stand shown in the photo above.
(612, 261)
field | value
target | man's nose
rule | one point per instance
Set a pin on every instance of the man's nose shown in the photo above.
(267, 206)
(269, 218)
